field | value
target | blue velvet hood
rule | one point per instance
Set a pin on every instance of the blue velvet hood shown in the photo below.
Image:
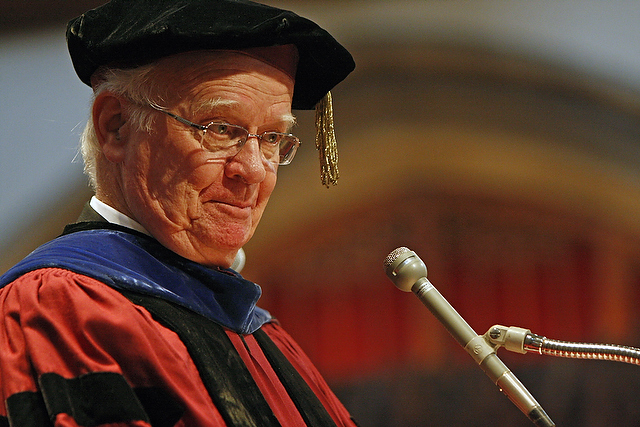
(131, 261)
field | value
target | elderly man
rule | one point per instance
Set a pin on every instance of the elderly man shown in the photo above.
(134, 316)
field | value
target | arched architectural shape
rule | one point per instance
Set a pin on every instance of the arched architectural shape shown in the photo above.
(517, 182)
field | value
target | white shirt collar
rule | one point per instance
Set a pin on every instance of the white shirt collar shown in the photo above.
(115, 217)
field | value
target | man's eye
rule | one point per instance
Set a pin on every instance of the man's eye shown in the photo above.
(271, 137)
(219, 128)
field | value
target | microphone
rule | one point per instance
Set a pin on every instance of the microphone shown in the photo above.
(407, 271)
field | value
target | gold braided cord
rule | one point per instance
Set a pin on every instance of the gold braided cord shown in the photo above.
(326, 141)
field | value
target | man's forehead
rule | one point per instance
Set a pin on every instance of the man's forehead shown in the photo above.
(223, 63)
(284, 58)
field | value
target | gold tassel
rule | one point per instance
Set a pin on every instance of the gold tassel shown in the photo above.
(326, 141)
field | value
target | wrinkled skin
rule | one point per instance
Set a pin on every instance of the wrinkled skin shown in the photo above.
(202, 208)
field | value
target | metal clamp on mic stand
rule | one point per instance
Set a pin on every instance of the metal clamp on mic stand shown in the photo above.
(521, 340)
(407, 271)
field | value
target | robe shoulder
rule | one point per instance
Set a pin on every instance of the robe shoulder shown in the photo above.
(86, 338)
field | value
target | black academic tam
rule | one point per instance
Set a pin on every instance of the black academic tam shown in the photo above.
(129, 33)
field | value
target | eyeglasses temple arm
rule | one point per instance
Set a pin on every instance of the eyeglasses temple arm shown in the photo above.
(183, 120)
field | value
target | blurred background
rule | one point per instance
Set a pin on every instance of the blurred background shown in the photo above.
(500, 140)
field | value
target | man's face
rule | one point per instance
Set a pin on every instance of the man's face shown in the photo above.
(202, 208)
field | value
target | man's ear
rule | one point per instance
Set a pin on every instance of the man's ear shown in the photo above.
(109, 122)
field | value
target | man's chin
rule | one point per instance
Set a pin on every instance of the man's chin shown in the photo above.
(222, 254)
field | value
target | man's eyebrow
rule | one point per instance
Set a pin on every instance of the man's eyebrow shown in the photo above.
(212, 104)
(289, 120)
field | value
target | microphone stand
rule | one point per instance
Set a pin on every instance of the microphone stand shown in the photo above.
(519, 340)
(407, 271)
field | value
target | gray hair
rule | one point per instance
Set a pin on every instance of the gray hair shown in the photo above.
(140, 86)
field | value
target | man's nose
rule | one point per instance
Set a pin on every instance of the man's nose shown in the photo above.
(248, 164)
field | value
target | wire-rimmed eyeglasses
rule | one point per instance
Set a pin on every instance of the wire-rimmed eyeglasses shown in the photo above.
(225, 140)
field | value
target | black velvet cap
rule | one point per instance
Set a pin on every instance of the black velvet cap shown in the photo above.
(129, 33)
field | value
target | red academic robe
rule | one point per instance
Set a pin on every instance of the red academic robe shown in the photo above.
(61, 329)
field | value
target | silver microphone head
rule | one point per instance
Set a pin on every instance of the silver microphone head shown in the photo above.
(393, 256)
(404, 268)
